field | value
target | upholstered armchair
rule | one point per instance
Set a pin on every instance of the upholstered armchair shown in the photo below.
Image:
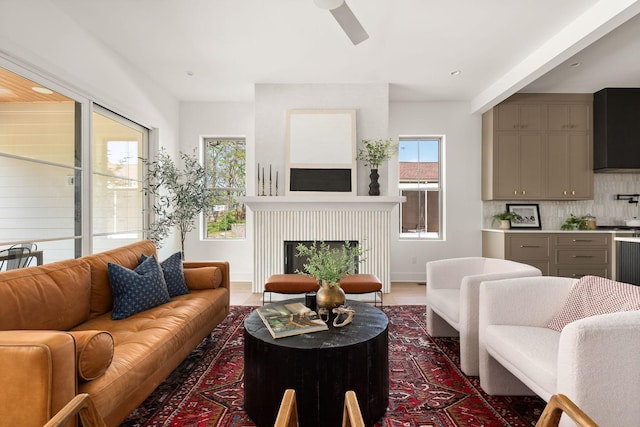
(453, 289)
(595, 361)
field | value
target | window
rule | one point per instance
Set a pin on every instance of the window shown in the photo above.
(225, 163)
(420, 182)
(118, 200)
(51, 194)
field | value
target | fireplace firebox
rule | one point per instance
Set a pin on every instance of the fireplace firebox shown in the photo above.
(293, 263)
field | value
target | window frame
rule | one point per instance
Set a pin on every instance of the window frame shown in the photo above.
(438, 186)
(204, 141)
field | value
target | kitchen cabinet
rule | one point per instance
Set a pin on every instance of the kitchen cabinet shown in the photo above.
(562, 254)
(538, 147)
(518, 159)
(569, 174)
(569, 117)
(516, 116)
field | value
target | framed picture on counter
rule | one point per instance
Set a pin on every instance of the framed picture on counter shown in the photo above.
(529, 215)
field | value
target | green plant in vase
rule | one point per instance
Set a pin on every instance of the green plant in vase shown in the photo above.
(328, 265)
(504, 218)
(373, 154)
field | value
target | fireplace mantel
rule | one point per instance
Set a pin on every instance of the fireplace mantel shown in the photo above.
(366, 220)
(298, 203)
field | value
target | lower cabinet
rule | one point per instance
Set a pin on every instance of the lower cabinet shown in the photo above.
(562, 254)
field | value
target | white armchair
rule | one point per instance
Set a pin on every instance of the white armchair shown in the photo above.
(453, 288)
(594, 361)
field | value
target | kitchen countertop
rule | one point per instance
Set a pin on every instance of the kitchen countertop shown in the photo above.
(627, 239)
(511, 230)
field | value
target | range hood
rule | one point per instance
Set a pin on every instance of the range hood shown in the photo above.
(616, 130)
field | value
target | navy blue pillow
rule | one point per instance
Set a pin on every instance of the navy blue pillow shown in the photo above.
(137, 290)
(173, 274)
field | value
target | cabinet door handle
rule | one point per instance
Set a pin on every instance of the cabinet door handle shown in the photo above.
(529, 246)
(582, 256)
(582, 240)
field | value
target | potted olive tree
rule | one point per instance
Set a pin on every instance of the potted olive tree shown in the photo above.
(180, 194)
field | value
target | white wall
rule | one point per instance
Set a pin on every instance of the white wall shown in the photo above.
(462, 217)
(371, 102)
(43, 44)
(198, 120)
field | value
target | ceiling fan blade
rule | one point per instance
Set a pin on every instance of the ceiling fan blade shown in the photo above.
(349, 23)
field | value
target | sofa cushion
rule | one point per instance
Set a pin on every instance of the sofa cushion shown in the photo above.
(126, 256)
(173, 274)
(593, 295)
(53, 296)
(203, 277)
(137, 290)
(446, 302)
(530, 353)
(94, 352)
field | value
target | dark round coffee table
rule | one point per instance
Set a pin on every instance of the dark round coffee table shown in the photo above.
(320, 367)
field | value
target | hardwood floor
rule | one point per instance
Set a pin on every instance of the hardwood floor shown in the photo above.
(402, 293)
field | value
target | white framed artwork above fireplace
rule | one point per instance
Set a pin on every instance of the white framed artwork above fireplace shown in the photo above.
(363, 219)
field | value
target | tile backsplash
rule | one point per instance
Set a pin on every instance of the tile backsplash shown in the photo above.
(604, 206)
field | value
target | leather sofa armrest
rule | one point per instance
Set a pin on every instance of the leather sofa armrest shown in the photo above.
(37, 375)
(222, 265)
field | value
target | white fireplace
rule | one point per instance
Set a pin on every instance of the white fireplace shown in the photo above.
(364, 219)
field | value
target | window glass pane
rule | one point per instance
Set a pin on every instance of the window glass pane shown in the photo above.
(37, 200)
(105, 243)
(33, 124)
(225, 163)
(118, 200)
(419, 165)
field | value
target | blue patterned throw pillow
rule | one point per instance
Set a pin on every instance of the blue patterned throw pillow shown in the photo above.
(173, 274)
(137, 290)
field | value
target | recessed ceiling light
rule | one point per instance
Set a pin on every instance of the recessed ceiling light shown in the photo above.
(456, 72)
(575, 64)
(42, 90)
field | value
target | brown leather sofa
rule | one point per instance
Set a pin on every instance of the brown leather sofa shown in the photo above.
(44, 311)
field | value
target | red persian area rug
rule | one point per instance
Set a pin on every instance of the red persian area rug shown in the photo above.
(426, 386)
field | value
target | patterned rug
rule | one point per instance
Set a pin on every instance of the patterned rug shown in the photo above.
(426, 386)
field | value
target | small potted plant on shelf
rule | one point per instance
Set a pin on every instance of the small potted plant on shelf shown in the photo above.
(575, 223)
(328, 265)
(504, 219)
(373, 154)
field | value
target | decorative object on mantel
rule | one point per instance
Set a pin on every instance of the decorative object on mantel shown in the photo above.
(261, 182)
(180, 194)
(328, 265)
(504, 219)
(373, 154)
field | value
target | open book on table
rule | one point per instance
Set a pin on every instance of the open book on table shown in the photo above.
(284, 320)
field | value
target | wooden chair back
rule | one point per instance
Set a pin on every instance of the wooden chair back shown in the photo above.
(81, 405)
(351, 417)
(288, 412)
(559, 404)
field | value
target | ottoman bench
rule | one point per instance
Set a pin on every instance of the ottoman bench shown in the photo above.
(289, 284)
(363, 284)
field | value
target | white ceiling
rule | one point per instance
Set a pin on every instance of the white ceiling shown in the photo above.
(217, 50)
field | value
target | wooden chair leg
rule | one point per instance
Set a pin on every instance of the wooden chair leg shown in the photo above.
(288, 412)
(351, 416)
(558, 404)
(81, 405)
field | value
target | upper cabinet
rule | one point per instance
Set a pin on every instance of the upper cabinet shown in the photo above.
(538, 147)
(513, 116)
